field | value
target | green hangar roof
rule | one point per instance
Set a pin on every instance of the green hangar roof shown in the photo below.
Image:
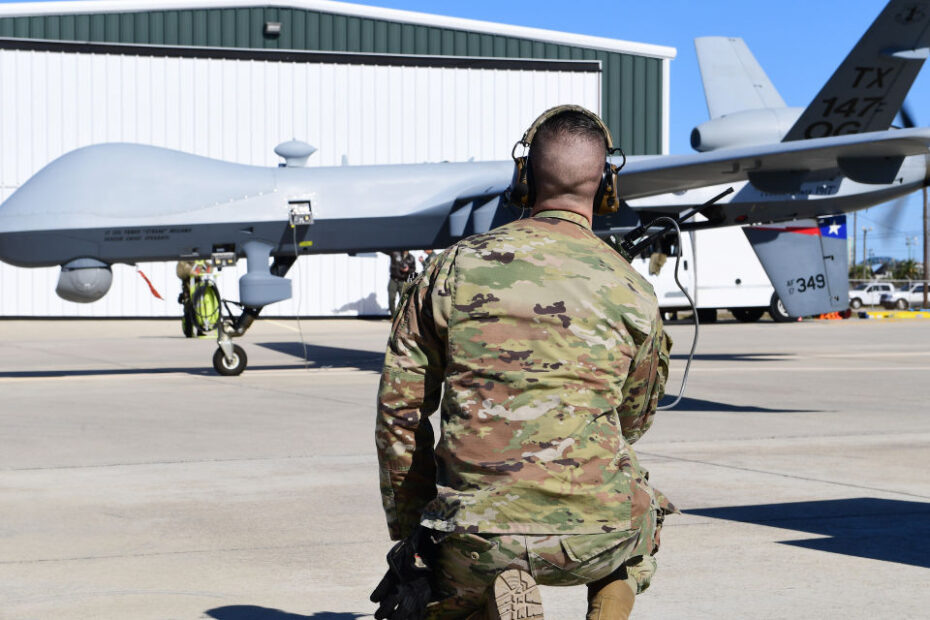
(634, 77)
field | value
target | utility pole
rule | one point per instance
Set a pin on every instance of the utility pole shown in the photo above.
(865, 235)
(855, 235)
(926, 250)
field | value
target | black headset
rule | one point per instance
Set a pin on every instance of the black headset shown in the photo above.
(522, 191)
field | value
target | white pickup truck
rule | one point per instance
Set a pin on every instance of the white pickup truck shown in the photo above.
(869, 294)
(901, 299)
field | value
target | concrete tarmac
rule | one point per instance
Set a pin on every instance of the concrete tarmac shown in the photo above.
(136, 483)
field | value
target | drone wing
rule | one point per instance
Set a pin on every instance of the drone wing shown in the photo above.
(870, 158)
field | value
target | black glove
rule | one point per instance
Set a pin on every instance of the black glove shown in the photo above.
(407, 586)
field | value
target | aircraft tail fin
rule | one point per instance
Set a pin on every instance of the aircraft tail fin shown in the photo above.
(866, 91)
(806, 262)
(733, 79)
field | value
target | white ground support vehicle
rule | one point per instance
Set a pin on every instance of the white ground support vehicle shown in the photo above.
(869, 294)
(720, 271)
(911, 295)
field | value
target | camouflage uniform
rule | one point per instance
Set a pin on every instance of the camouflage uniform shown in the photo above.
(547, 352)
(402, 271)
(427, 258)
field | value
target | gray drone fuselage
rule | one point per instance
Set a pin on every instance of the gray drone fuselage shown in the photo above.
(128, 203)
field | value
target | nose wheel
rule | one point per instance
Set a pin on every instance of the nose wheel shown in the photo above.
(230, 360)
(231, 365)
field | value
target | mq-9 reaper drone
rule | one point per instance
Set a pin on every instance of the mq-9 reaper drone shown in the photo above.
(124, 203)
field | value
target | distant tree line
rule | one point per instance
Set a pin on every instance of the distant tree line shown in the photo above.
(892, 269)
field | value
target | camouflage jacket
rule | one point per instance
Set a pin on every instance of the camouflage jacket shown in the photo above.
(547, 353)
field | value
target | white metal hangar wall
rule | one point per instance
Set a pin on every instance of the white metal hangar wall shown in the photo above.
(236, 105)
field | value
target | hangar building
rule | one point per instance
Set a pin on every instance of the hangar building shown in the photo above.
(231, 79)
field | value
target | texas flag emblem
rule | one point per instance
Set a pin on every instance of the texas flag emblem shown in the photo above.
(834, 227)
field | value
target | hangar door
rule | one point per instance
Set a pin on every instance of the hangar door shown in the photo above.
(236, 105)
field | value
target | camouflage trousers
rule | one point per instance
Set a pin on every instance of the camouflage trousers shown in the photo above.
(396, 290)
(468, 564)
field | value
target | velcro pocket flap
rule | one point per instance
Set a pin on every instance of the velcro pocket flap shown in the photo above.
(584, 547)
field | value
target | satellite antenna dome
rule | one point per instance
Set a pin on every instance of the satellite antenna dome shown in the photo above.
(294, 153)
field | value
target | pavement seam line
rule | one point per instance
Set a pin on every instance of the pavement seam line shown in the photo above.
(365, 459)
(153, 554)
(783, 475)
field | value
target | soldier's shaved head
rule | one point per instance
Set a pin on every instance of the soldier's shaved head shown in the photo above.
(567, 159)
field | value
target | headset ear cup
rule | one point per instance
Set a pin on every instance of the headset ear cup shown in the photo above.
(607, 199)
(519, 190)
(601, 197)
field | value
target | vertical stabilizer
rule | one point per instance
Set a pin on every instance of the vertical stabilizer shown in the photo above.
(733, 79)
(806, 262)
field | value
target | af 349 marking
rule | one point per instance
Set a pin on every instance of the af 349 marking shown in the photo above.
(807, 283)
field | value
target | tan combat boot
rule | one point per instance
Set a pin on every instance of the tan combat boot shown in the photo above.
(610, 601)
(514, 596)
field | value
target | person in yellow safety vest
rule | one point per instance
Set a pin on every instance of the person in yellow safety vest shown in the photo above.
(202, 312)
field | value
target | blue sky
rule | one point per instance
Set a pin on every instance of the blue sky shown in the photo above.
(798, 43)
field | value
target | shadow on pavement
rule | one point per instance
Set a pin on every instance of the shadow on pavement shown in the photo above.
(318, 356)
(697, 404)
(254, 612)
(735, 357)
(330, 357)
(205, 370)
(878, 529)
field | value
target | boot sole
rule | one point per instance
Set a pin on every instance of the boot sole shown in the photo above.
(516, 597)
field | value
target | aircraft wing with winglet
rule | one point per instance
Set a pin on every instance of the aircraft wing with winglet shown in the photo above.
(845, 156)
(867, 90)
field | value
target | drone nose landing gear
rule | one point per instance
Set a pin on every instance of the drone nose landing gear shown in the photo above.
(230, 359)
(259, 287)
